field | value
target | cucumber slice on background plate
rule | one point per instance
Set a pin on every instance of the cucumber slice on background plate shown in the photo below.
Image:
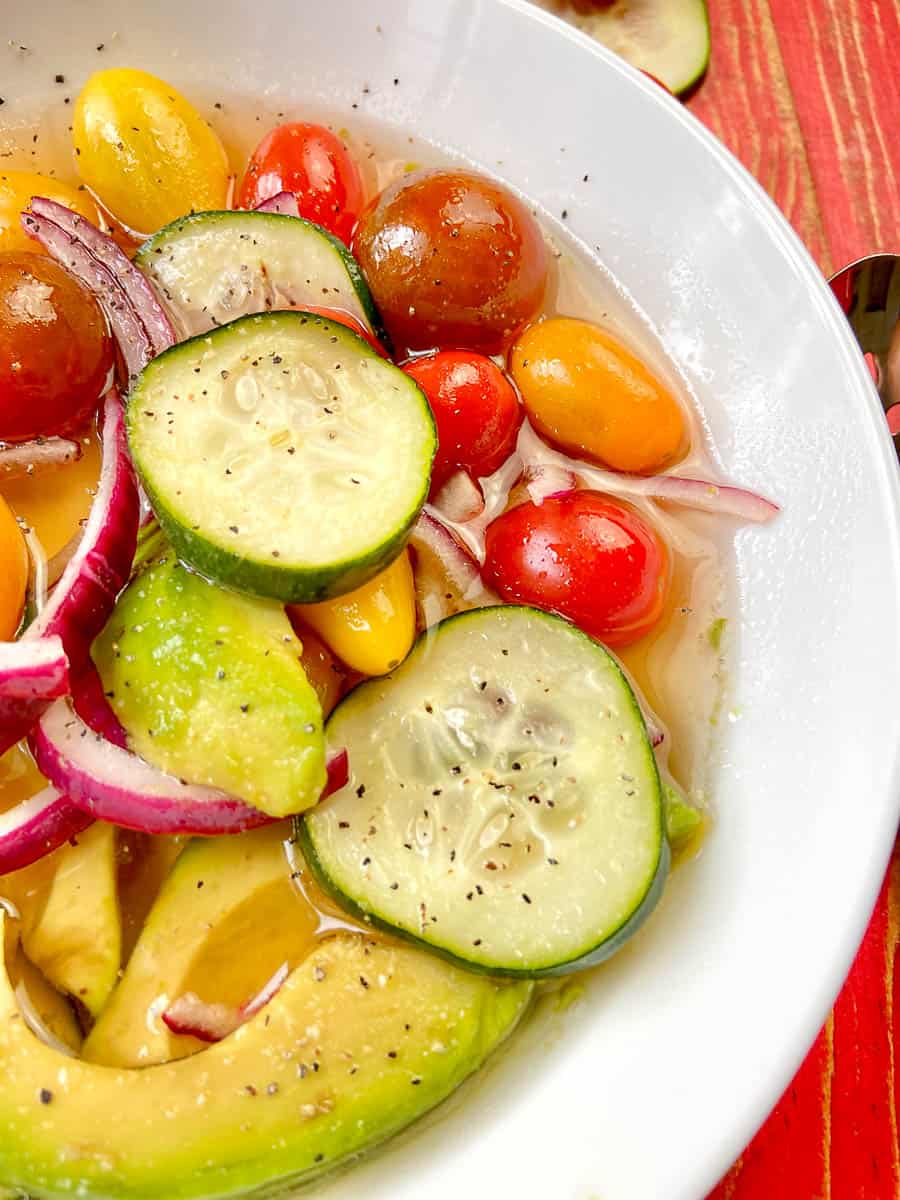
(282, 455)
(212, 267)
(503, 805)
(668, 38)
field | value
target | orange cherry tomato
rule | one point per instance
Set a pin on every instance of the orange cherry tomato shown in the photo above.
(327, 675)
(17, 188)
(589, 394)
(13, 573)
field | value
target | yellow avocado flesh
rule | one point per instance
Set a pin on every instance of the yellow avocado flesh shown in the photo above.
(363, 1038)
(226, 918)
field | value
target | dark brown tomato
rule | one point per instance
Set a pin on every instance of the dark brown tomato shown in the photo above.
(55, 350)
(453, 259)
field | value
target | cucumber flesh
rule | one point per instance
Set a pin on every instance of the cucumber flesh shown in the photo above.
(211, 268)
(282, 455)
(668, 38)
(503, 805)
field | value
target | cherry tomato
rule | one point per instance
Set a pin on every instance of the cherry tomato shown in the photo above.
(586, 392)
(348, 319)
(584, 556)
(314, 164)
(327, 676)
(475, 408)
(145, 150)
(16, 191)
(453, 259)
(55, 350)
(13, 573)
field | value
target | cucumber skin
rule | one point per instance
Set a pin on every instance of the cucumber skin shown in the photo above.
(593, 955)
(255, 577)
(353, 268)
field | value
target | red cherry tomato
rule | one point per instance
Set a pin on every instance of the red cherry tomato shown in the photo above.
(56, 354)
(348, 319)
(314, 164)
(584, 556)
(475, 408)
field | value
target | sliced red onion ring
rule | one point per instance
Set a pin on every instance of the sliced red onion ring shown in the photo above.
(460, 498)
(32, 458)
(129, 332)
(447, 577)
(495, 491)
(81, 602)
(37, 826)
(93, 707)
(723, 499)
(189, 1016)
(33, 671)
(109, 782)
(284, 203)
(549, 482)
(337, 772)
(131, 281)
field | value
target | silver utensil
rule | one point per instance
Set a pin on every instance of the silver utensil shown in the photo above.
(869, 293)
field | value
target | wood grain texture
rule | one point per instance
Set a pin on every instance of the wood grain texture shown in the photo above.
(807, 94)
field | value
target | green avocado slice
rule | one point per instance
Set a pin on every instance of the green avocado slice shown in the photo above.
(363, 1038)
(209, 687)
(226, 919)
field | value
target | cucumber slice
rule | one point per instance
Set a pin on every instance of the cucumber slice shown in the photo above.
(504, 805)
(212, 267)
(282, 455)
(668, 38)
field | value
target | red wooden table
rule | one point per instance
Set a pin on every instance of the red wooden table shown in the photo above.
(807, 94)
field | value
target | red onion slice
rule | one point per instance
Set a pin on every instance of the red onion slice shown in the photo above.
(447, 577)
(32, 458)
(129, 332)
(460, 498)
(133, 284)
(115, 785)
(93, 707)
(723, 499)
(189, 1016)
(284, 203)
(33, 670)
(81, 602)
(37, 826)
(337, 772)
(549, 482)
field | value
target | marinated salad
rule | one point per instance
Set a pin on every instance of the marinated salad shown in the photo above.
(337, 541)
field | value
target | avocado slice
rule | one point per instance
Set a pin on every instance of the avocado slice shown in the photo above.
(69, 907)
(363, 1038)
(48, 1008)
(209, 687)
(77, 940)
(226, 919)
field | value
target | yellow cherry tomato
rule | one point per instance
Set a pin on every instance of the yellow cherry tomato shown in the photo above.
(371, 629)
(16, 191)
(586, 392)
(13, 573)
(145, 151)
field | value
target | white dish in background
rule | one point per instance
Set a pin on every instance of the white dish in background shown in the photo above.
(650, 1085)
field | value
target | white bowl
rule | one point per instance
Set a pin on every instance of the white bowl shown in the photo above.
(651, 1085)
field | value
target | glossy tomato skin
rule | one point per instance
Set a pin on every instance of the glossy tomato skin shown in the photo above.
(453, 259)
(584, 556)
(585, 391)
(56, 353)
(476, 410)
(345, 318)
(314, 164)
